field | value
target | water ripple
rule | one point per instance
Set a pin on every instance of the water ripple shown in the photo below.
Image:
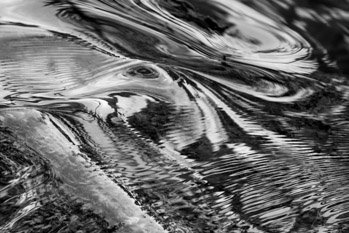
(155, 116)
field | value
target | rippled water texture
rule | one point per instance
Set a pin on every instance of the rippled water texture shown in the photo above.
(174, 116)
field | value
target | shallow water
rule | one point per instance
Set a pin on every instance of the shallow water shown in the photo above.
(174, 116)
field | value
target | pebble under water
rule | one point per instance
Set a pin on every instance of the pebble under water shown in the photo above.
(177, 116)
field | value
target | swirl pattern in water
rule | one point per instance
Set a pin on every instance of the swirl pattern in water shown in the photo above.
(174, 116)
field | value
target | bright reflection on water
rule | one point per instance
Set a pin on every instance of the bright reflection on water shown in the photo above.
(174, 116)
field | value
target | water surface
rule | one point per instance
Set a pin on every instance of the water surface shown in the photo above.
(174, 116)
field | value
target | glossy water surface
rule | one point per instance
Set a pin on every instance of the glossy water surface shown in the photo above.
(174, 116)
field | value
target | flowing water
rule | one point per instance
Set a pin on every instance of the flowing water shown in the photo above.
(174, 116)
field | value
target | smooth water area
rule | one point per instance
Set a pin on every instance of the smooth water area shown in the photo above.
(174, 116)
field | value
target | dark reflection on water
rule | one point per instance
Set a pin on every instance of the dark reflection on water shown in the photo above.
(178, 116)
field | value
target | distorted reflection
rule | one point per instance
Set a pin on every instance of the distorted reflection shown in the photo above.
(174, 116)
